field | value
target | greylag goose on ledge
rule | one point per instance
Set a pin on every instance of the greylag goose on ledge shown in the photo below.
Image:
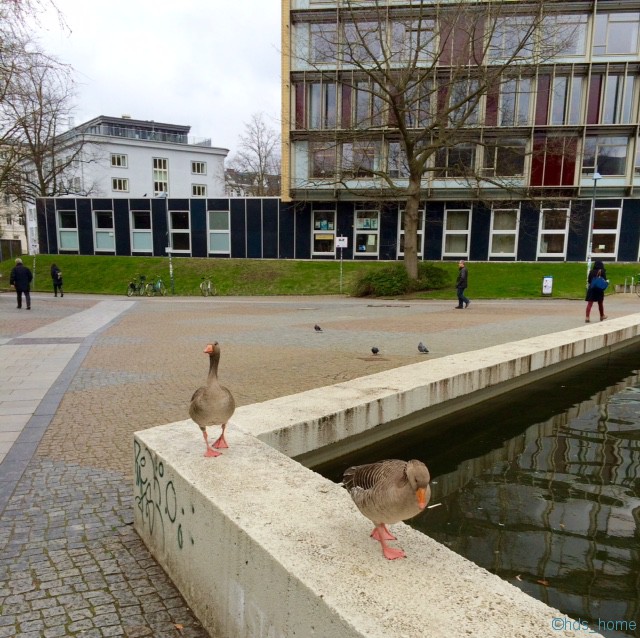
(212, 404)
(387, 492)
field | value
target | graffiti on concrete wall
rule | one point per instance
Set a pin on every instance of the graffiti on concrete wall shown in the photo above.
(156, 499)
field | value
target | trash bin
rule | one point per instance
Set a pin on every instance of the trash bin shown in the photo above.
(547, 286)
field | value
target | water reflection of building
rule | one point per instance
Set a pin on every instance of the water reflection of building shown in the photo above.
(556, 510)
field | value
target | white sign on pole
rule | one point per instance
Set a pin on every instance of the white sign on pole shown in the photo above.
(342, 242)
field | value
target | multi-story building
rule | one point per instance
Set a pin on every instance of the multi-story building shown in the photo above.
(124, 158)
(550, 158)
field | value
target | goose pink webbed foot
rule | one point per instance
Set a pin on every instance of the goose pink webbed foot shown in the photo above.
(381, 532)
(210, 451)
(221, 441)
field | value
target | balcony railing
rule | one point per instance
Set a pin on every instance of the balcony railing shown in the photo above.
(147, 135)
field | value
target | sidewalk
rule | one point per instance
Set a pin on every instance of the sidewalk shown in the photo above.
(79, 375)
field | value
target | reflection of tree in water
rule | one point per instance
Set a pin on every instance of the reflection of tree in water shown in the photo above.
(556, 511)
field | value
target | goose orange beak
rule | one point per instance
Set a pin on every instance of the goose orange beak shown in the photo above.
(208, 349)
(421, 495)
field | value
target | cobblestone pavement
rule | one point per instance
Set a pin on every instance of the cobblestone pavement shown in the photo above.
(70, 561)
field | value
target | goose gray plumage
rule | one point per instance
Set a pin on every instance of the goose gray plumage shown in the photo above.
(387, 492)
(212, 404)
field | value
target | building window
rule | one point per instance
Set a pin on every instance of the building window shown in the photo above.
(607, 154)
(401, 232)
(565, 104)
(504, 158)
(362, 42)
(322, 105)
(323, 43)
(180, 231)
(515, 102)
(617, 98)
(553, 161)
(367, 232)
(324, 232)
(104, 235)
(465, 93)
(563, 36)
(417, 106)
(511, 37)
(397, 165)
(322, 161)
(504, 232)
(67, 230)
(413, 40)
(458, 161)
(219, 232)
(119, 161)
(457, 227)
(199, 168)
(141, 231)
(360, 158)
(160, 176)
(368, 106)
(616, 33)
(606, 228)
(198, 190)
(120, 185)
(554, 227)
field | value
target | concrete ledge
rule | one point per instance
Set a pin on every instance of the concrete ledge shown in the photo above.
(308, 425)
(261, 546)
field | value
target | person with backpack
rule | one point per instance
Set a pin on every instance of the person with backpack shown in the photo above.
(596, 285)
(56, 277)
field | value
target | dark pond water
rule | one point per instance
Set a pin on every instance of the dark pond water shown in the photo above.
(542, 487)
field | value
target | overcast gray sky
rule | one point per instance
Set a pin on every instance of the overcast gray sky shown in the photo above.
(206, 63)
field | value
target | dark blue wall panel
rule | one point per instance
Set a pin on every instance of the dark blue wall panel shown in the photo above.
(122, 226)
(238, 228)
(99, 203)
(85, 227)
(303, 231)
(434, 222)
(480, 229)
(578, 231)
(199, 228)
(270, 228)
(389, 232)
(344, 228)
(629, 231)
(286, 232)
(528, 232)
(254, 228)
(159, 225)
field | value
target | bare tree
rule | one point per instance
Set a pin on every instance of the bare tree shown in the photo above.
(257, 164)
(37, 108)
(401, 99)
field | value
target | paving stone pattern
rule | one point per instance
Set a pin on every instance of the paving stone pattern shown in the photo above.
(70, 561)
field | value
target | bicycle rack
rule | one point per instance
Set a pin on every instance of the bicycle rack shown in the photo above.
(630, 285)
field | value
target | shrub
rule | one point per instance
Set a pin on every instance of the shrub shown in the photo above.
(393, 280)
(383, 282)
(432, 277)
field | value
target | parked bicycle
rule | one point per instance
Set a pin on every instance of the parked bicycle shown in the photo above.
(156, 287)
(207, 288)
(137, 286)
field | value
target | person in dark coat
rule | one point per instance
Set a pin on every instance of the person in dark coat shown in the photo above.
(56, 277)
(461, 285)
(595, 294)
(20, 279)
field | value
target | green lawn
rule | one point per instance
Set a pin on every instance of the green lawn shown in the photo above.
(487, 280)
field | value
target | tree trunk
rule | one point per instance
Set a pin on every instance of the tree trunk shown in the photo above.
(411, 228)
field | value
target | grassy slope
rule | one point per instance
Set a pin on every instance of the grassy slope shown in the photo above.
(110, 275)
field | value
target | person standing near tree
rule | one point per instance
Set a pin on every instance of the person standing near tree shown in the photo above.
(56, 277)
(461, 285)
(20, 279)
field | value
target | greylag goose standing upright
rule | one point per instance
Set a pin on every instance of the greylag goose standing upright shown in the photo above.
(387, 492)
(212, 404)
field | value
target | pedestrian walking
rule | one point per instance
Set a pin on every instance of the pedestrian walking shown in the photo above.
(461, 286)
(20, 278)
(56, 277)
(594, 292)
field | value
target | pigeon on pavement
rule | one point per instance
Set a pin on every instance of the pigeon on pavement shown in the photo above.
(375, 350)
(422, 348)
(317, 328)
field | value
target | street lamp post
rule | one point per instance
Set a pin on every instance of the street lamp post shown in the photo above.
(592, 217)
